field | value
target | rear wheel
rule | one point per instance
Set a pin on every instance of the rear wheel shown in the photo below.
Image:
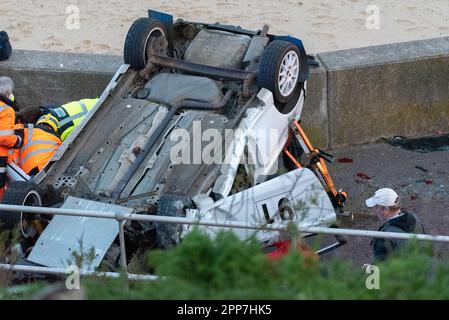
(138, 42)
(279, 70)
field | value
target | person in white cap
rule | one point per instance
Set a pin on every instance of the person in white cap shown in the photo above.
(386, 204)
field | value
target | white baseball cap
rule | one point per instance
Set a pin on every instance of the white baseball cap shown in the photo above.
(385, 197)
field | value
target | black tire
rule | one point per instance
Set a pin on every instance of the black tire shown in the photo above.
(167, 234)
(111, 260)
(19, 193)
(269, 69)
(137, 41)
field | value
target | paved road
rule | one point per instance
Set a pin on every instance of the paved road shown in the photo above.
(424, 193)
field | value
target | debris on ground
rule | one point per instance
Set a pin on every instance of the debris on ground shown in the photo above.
(363, 176)
(420, 179)
(422, 169)
(423, 145)
(345, 160)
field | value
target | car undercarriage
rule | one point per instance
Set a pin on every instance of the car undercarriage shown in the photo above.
(197, 123)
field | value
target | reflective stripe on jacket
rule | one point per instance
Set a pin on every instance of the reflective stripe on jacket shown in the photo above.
(14, 154)
(7, 119)
(38, 148)
(71, 114)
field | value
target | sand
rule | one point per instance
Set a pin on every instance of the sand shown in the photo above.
(324, 25)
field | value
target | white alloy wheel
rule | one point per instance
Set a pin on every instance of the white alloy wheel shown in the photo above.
(288, 73)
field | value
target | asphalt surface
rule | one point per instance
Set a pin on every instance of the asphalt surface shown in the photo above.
(420, 179)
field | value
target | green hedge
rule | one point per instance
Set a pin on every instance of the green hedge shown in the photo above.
(228, 268)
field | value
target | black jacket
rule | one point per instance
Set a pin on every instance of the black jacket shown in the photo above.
(405, 223)
(5, 46)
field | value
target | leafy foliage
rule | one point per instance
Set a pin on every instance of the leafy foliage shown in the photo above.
(7, 237)
(228, 268)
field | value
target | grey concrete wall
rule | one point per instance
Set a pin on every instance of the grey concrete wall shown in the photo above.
(384, 91)
(314, 117)
(355, 96)
(55, 78)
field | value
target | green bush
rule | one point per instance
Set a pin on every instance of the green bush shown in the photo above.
(7, 237)
(228, 268)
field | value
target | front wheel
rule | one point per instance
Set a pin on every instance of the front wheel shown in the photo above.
(22, 193)
(169, 235)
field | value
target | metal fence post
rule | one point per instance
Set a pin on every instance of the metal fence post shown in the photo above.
(122, 245)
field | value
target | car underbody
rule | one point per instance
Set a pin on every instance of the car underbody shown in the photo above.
(182, 130)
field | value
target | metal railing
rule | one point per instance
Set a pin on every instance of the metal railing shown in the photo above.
(123, 217)
(62, 271)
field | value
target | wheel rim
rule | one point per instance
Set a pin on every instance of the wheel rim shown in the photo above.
(32, 199)
(155, 32)
(288, 73)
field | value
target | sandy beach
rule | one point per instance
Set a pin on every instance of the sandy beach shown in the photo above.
(324, 25)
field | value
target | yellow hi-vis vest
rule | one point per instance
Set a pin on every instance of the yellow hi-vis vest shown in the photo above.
(71, 114)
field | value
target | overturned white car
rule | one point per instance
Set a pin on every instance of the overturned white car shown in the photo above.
(197, 123)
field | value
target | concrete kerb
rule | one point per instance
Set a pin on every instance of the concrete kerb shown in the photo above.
(389, 90)
(355, 96)
(56, 77)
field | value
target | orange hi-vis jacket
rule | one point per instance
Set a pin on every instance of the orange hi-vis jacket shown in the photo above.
(37, 149)
(8, 139)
